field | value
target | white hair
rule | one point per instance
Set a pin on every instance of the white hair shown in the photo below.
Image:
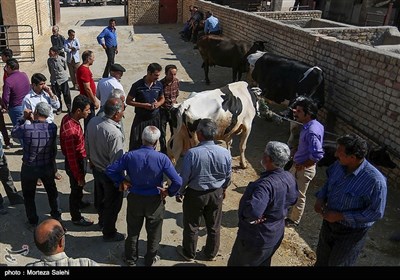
(278, 152)
(150, 135)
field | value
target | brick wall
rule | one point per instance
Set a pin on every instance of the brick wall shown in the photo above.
(362, 82)
(142, 12)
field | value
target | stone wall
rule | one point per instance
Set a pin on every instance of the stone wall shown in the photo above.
(362, 83)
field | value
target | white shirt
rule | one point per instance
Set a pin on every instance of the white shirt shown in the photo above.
(105, 87)
(32, 99)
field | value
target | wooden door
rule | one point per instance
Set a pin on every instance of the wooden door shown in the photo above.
(168, 11)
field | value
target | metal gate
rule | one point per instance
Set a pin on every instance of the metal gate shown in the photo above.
(18, 38)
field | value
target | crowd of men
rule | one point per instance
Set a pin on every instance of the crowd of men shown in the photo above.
(351, 200)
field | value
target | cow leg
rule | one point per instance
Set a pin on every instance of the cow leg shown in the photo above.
(206, 68)
(243, 144)
(293, 141)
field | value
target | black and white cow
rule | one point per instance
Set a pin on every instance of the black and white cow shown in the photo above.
(232, 107)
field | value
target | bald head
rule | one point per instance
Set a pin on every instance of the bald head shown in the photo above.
(48, 235)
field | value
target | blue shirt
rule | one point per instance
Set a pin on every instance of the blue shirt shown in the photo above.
(144, 94)
(211, 25)
(145, 168)
(206, 166)
(110, 37)
(360, 195)
(269, 197)
(310, 143)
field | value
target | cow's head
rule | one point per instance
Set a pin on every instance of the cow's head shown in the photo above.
(380, 156)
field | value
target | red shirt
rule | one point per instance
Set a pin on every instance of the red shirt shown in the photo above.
(84, 75)
(73, 145)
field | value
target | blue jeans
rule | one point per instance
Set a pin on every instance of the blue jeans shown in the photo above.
(15, 114)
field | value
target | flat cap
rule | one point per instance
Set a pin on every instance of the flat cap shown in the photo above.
(117, 67)
(43, 109)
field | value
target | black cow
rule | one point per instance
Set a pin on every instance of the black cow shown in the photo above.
(225, 52)
(377, 156)
(282, 79)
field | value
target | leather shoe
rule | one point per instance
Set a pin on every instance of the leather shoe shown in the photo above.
(180, 251)
(83, 222)
(115, 238)
(290, 224)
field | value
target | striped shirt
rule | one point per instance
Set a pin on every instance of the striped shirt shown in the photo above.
(73, 145)
(40, 142)
(360, 195)
(61, 259)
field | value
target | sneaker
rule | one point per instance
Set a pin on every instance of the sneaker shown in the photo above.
(179, 250)
(290, 224)
(19, 152)
(84, 204)
(116, 238)
(129, 262)
(83, 222)
(153, 261)
(203, 256)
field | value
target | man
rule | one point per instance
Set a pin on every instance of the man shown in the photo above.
(171, 92)
(104, 145)
(211, 25)
(146, 95)
(263, 208)
(16, 86)
(108, 40)
(71, 47)
(5, 177)
(106, 85)
(59, 78)
(206, 174)
(73, 147)
(40, 150)
(351, 200)
(40, 92)
(49, 238)
(309, 152)
(86, 84)
(6, 54)
(57, 40)
(146, 168)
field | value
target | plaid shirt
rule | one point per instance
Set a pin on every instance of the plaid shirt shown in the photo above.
(39, 138)
(171, 92)
(73, 145)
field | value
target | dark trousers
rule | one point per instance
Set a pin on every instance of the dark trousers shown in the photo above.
(245, 255)
(139, 208)
(107, 200)
(89, 117)
(3, 130)
(76, 191)
(339, 245)
(8, 182)
(110, 52)
(29, 177)
(138, 125)
(165, 117)
(197, 204)
(63, 90)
